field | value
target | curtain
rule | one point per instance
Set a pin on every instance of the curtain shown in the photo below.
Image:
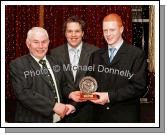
(151, 42)
(18, 20)
(151, 55)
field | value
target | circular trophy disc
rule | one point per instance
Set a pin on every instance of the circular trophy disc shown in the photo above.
(88, 85)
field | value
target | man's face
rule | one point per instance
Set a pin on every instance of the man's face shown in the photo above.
(38, 44)
(74, 34)
(112, 32)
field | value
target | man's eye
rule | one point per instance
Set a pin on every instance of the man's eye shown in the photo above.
(69, 31)
(104, 31)
(111, 30)
(78, 31)
(44, 42)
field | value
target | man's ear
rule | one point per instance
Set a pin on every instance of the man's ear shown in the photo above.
(27, 43)
(121, 29)
(82, 33)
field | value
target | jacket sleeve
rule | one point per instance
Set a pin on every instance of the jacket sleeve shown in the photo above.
(26, 94)
(65, 93)
(90, 73)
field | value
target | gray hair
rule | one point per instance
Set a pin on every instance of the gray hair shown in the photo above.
(36, 29)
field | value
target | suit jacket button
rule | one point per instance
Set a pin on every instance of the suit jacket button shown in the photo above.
(107, 108)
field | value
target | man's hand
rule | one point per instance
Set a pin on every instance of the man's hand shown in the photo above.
(60, 109)
(75, 96)
(71, 109)
(103, 98)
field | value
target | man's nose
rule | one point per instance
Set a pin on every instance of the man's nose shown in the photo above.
(40, 44)
(108, 32)
(73, 33)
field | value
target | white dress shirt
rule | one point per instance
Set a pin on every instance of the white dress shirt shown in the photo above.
(71, 52)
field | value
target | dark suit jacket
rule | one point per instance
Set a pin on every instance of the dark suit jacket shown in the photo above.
(61, 53)
(34, 94)
(124, 91)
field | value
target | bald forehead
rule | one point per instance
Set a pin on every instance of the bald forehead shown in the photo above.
(113, 17)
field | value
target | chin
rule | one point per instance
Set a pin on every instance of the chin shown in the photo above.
(74, 45)
(110, 43)
(40, 56)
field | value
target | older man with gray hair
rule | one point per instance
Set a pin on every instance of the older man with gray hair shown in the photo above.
(39, 97)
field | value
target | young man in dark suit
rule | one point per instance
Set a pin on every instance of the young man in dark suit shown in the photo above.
(36, 86)
(120, 71)
(121, 78)
(75, 53)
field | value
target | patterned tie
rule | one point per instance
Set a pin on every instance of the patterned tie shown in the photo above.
(75, 61)
(112, 50)
(51, 82)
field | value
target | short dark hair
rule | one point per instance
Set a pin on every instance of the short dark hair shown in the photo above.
(74, 19)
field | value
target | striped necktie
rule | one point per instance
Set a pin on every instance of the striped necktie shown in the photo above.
(49, 77)
(112, 50)
(75, 61)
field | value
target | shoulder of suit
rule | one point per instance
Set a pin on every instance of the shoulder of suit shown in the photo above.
(133, 49)
(90, 47)
(20, 61)
(98, 52)
(50, 58)
(58, 49)
(22, 58)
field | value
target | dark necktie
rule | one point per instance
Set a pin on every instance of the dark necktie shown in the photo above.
(49, 77)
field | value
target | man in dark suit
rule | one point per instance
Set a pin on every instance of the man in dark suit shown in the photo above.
(75, 53)
(120, 71)
(38, 89)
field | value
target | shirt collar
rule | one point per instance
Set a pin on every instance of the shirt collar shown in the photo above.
(36, 59)
(79, 47)
(117, 46)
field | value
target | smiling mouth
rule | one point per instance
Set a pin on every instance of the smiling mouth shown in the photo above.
(109, 39)
(73, 39)
(40, 51)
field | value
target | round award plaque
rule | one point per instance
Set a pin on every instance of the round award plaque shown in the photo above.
(87, 86)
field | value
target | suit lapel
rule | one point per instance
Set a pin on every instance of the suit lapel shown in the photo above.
(83, 57)
(105, 57)
(67, 61)
(33, 63)
(37, 67)
(121, 52)
(82, 60)
(52, 63)
(115, 62)
(66, 55)
(54, 73)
